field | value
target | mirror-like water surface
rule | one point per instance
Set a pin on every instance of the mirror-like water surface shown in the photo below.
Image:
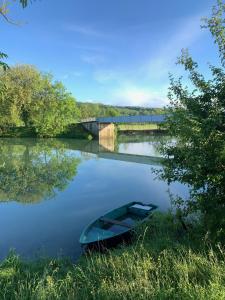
(51, 189)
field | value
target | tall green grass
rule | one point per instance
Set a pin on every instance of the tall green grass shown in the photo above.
(163, 262)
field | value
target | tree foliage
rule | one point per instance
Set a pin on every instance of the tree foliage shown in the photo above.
(24, 2)
(197, 120)
(30, 98)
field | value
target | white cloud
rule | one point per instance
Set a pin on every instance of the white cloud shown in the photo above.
(140, 96)
(147, 85)
(93, 59)
(76, 74)
(90, 48)
(164, 61)
(71, 75)
(85, 30)
(144, 84)
(65, 76)
(104, 76)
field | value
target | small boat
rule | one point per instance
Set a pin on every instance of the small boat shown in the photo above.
(116, 223)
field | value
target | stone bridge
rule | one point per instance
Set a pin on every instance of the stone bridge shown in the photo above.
(104, 127)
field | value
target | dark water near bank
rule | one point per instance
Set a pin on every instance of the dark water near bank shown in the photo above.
(51, 189)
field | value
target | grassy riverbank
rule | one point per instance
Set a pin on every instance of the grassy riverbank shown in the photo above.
(163, 262)
(137, 127)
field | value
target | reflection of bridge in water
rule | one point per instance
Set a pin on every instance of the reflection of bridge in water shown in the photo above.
(104, 129)
(141, 159)
(105, 150)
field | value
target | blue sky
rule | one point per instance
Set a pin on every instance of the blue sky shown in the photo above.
(110, 51)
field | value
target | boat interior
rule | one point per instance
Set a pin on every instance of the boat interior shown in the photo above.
(119, 221)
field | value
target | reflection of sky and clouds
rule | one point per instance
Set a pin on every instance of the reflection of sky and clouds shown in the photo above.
(84, 187)
(144, 148)
(141, 144)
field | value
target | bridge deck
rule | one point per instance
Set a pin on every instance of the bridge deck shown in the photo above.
(133, 119)
(128, 119)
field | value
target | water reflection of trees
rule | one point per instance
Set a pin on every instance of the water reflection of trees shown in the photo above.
(32, 171)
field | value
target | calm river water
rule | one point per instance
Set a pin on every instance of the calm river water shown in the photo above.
(51, 189)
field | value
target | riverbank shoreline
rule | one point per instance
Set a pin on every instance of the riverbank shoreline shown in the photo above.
(76, 131)
(164, 261)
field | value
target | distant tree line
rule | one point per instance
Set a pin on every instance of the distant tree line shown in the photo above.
(88, 110)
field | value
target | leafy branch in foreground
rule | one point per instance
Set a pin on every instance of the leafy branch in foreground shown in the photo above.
(4, 10)
(3, 64)
(216, 25)
(197, 120)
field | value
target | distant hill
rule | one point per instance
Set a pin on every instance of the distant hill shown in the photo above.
(89, 110)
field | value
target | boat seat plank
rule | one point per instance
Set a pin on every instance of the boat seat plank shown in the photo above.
(116, 222)
(143, 207)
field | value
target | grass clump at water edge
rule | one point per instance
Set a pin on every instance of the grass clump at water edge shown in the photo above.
(163, 263)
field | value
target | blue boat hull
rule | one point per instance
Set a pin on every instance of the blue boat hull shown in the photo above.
(117, 223)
